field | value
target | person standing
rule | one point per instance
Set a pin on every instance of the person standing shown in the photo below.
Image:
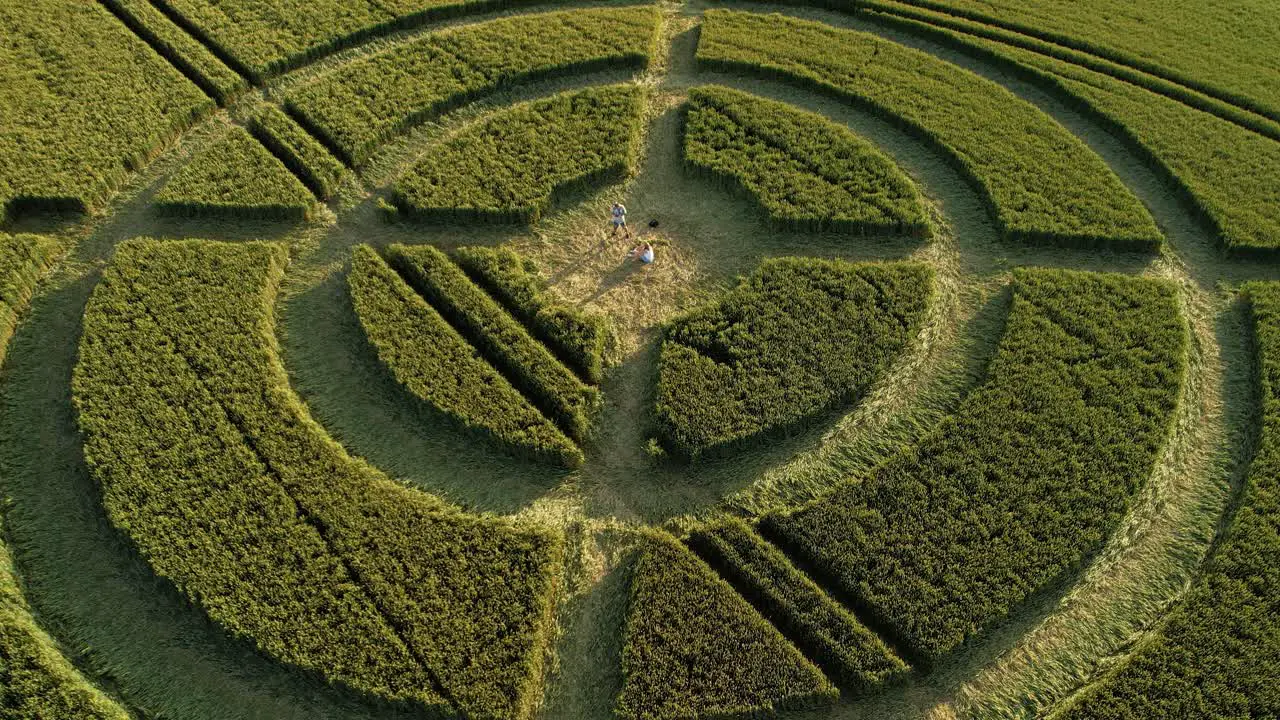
(619, 219)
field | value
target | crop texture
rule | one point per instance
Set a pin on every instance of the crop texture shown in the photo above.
(499, 337)
(797, 338)
(1218, 655)
(260, 38)
(24, 259)
(236, 177)
(1040, 182)
(369, 101)
(579, 339)
(178, 47)
(692, 647)
(510, 167)
(85, 102)
(1025, 481)
(841, 645)
(805, 172)
(210, 464)
(1227, 171)
(300, 152)
(434, 363)
(1223, 49)
(36, 681)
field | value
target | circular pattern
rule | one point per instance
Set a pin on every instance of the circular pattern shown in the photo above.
(1032, 178)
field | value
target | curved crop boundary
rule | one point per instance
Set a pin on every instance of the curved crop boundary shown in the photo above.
(1118, 57)
(880, 110)
(36, 679)
(39, 680)
(621, 104)
(358, 37)
(737, 180)
(929, 607)
(907, 15)
(360, 154)
(973, 44)
(1201, 661)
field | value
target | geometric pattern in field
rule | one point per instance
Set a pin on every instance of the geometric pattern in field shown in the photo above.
(242, 501)
(427, 344)
(988, 478)
(512, 166)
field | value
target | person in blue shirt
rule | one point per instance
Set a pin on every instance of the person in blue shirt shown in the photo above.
(619, 219)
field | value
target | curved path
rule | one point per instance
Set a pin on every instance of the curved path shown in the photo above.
(91, 591)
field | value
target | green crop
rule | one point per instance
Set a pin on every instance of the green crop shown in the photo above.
(579, 339)
(260, 39)
(213, 468)
(36, 681)
(236, 177)
(1040, 181)
(1218, 655)
(510, 167)
(694, 648)
(178, 47)
(1028, 478)
(437, 365)
(1219, 49)
(370, 101)
(940, 24)
(841, 645)
(805, 172)
(501, 339)
(300, 152)
(1225, 170)
(24, 259)
(203, 508)
(85, 102)
(796, 339)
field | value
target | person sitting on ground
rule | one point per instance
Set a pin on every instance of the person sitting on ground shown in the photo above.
(642, 252)
(620, 219)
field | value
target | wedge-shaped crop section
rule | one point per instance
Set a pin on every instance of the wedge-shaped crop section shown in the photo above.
(85, 102)
(300, 152)
(511, 166)
(1028, 478)
(806, 172)
(1229, 173)
(369, 101)
(1185, 46)
(434, 363)
(261, 38)
(500, 337)
(579, 339)
(694, 648)
(1040, 182)
(841, 645)
(211, 465)
(798, 338)
(236, 177)
(1218, 655)
(180, 48)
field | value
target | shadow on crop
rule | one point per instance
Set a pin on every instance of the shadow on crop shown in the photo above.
(336, 371)
(129, 630)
